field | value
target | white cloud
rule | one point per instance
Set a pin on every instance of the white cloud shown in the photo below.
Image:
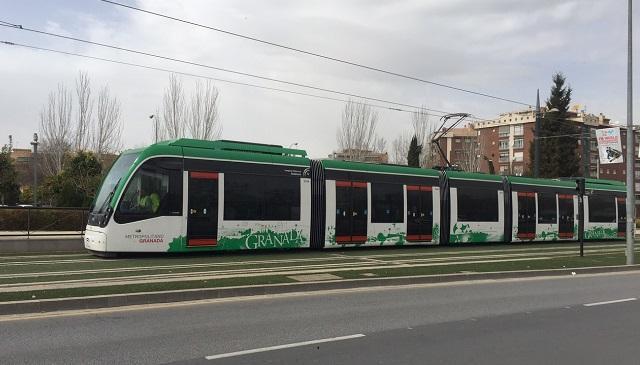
(501, 47)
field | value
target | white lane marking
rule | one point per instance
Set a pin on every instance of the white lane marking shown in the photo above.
(280, 347)
(610, 302)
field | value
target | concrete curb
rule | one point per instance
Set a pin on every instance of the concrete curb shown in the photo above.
(43, 244)
(120, 300)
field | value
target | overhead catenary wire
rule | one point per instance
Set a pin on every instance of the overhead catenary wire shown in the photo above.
(205, 77)
(173, 59)
(319, 55)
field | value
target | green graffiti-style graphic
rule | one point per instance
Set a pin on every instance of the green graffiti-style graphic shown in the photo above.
(547, 235)
(597, 233)
(179, 244)
(331, 235)
(463, 233)
(249, 239)
(435, 233)
(397, 239)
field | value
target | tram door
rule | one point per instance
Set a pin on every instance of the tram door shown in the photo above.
(526, 215)
(419, 213)
(622, 216)
(351, 212)
(565, 208)
(202, 221)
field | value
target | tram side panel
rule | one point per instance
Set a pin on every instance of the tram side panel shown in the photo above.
(477, 211)
(605, 215)
(371, 209)
(543, 213)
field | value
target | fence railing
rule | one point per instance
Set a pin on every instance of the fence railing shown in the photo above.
(42, 221)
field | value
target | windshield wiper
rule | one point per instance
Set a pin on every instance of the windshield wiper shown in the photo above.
(108, 199)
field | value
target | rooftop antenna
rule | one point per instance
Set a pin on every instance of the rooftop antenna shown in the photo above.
(442, 130)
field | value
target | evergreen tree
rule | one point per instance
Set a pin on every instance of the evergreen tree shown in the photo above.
(9, 188)
(413, 156)
(78, 182)
(558, 140)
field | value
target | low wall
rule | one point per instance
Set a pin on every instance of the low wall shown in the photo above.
(41, 244)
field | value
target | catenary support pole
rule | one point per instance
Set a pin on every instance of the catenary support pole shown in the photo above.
(630, 150)
(586, 155)
(536, 140)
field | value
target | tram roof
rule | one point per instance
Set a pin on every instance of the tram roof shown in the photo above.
(542, 182)
(379, 168)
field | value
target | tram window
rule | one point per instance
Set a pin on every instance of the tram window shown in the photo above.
(602, 208)
(281, 198)
(477, 204)
(547, 212)
(261, 197)
(155, 190)
(387, 203)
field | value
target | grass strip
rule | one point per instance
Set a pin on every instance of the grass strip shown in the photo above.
(553, 263)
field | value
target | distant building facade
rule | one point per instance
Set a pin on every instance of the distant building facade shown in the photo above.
(361, 155)
(506, 143)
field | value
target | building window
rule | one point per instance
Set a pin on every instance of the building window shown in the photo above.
(477, 204)
(518, 170)
(504, 157)
(503, 131)
(518, 156)
(518, 130)
(518, 143)
(387, 203)
(504, 144)
(249, 197)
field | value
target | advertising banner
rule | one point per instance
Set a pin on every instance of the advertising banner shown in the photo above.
(609, 145)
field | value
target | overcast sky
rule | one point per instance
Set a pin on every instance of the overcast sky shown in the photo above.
(501, 47)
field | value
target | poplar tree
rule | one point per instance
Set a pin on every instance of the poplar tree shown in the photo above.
(413, 156)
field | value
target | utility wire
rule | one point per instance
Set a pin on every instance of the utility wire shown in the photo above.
(316, 54)
(210, 78)
(19, 27)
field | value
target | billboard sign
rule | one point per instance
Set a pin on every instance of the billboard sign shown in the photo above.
(609, 145)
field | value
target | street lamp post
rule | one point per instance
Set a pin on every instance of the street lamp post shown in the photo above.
(631, 222)
(155, 128)
(536, 139)
(34, 162)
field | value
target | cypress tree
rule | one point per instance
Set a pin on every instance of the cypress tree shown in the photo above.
(9, 188)
(413, 156)
(559, 140)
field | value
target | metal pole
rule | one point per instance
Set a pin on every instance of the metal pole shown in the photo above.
(630, 150)
(586, 155)
(536, 140)
(34, 143)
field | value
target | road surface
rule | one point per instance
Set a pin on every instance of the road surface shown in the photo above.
(529, 321)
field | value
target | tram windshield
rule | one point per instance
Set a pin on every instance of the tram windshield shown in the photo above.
(117, 172)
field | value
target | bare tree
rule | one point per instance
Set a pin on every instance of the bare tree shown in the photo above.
(174, 111)
(56, 129)
(107, 132)
(423, 129)
(203, 116)
(470, 154)
(84, 114)
(357, 134)
(400, 149)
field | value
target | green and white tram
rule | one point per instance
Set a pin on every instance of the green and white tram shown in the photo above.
(190, 195)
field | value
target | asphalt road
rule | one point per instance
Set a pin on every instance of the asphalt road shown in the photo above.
(506, 322)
